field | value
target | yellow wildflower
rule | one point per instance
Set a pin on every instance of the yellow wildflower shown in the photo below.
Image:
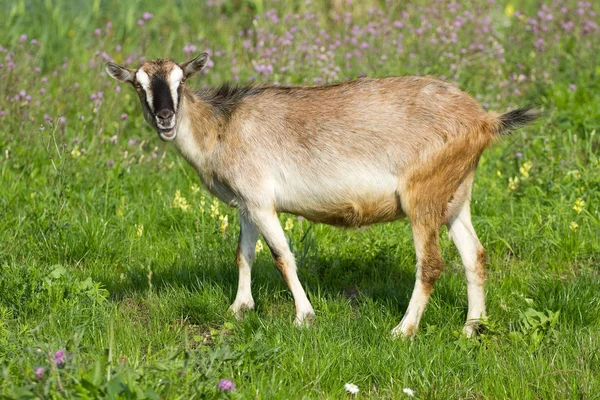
(195, 188)
(513, 183)
(214, 208)
(120, 210)
(180, 202)
(202, 202)
(75, 153)
(498, 173)
(289, 224)
(259, 246)
(140, 229)
(573, 225)
(525, 168)
(224, 223)
(509, 10)
(579, 204)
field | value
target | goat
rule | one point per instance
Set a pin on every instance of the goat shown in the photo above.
(348, 154)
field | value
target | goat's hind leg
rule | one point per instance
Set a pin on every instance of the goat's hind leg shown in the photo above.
(429, 267)
(472, 254)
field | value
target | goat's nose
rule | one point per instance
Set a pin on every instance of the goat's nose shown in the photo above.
(164, 114)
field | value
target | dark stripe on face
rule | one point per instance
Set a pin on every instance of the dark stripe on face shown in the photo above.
(161, 94)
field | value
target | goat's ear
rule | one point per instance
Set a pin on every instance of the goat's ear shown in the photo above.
(194, 66)
(119, 73)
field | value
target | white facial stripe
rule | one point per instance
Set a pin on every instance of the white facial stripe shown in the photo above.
(144, 80)
(174, 80)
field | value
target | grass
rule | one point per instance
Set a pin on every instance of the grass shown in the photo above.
(99, 259)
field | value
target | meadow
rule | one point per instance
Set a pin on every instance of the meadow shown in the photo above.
(117, 267)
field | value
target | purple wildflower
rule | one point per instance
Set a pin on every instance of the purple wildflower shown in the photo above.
(23, 38)
(189, 48)
(146, 16)
(226, 385)
(539, 44)
(59, 358)
(62, 120)
(572, 87)
(110, 163)
(124, 116)
(519, 155)
(117, 89)
(39, 373)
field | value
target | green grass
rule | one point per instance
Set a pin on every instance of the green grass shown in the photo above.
(141, 312)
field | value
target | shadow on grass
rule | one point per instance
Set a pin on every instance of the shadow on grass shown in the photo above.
(380, 276)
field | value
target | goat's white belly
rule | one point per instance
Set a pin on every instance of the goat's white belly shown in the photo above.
(348, 197)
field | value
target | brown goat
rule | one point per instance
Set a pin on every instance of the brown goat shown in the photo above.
(350, 154)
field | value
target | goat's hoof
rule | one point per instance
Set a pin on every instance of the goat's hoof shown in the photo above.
(404, 331)
(304, 319)
(239, 309)
(472, 328)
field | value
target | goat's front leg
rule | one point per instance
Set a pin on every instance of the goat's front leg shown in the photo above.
(246, 253)
(268, 225)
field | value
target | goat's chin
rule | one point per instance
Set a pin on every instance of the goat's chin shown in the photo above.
(167, 135)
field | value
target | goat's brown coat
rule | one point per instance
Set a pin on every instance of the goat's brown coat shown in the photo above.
(349, 154)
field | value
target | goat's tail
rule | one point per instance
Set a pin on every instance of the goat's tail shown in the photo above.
(508, 122)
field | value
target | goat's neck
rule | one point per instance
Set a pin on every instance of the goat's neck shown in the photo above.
(197, 129)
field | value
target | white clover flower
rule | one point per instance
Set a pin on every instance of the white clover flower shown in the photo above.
(409, 392)
(351, 388)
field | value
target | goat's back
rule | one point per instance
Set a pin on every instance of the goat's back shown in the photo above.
(393, 120)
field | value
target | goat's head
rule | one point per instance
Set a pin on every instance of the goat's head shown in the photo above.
(159, 84)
